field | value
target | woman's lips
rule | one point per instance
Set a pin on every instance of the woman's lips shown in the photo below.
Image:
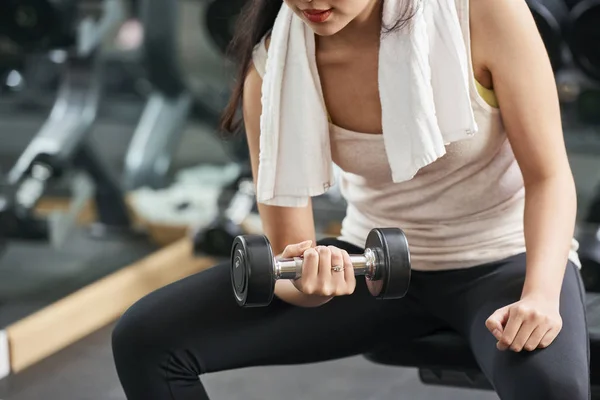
(317, 15)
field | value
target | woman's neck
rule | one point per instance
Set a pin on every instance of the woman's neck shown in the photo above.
(362, 31)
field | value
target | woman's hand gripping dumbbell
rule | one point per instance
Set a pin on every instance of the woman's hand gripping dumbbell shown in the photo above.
(385, 265)
(325, 271)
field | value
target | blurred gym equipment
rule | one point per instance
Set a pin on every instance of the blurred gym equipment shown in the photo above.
(584, 36)
(11, 66)
(161, 125)
(236, 202)
(552, 18)
(61, 151)
(39, 24)
(186, 70)
(184, 57)
(589, 254)
(60, 155)
(588, 236)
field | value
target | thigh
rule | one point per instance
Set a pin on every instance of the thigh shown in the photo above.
(560, 371)
(198, 320)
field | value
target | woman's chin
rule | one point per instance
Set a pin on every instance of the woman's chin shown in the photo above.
(324, 29)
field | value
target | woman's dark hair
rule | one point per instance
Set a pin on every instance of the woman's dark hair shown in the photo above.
(254, 22)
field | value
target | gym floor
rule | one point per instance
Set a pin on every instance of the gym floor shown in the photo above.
(85, 369)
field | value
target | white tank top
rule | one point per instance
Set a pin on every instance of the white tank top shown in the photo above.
(463, 210)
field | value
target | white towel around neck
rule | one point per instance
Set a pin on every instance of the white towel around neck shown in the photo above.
(423, 88)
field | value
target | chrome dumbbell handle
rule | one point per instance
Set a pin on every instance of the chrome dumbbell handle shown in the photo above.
(291, 268)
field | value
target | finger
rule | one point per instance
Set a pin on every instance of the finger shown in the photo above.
(295, 250)
(535, 338)
(527, 328)
(513, 325)
(310, 271)
(495, 323)
(337, 277)
(549, 338)
(325, 270)
(349, 277)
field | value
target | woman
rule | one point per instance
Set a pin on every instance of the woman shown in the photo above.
(470, 218)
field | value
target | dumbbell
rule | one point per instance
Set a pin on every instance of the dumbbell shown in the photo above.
(254, 269)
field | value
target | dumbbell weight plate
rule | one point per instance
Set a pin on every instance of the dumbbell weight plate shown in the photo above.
(252, 267)
(392, 250)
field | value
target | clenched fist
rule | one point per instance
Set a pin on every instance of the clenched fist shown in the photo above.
(531, 323)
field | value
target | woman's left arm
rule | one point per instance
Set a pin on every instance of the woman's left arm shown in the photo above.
(523, 80)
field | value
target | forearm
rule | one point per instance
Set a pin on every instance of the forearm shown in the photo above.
(549, 219)
(287, 292)
(287, 225)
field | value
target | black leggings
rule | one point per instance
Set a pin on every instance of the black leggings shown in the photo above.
(194, 326)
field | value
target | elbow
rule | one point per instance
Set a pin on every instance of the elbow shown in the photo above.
(555, 177)
(560, 185)
(563, 179)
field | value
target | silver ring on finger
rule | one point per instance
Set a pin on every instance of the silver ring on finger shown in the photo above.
(337, 268)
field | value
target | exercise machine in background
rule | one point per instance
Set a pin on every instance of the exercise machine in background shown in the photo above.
(184, 58)
(189, 73)
(584, 41)
(61, 152)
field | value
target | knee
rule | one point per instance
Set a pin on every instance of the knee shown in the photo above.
(123, 335)
(145, 338)
(132, 338)
(565, 386)
(548, 383)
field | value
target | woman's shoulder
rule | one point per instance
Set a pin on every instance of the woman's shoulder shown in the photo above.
(260, 53)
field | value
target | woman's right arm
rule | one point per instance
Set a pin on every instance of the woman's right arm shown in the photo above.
(282, 225)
